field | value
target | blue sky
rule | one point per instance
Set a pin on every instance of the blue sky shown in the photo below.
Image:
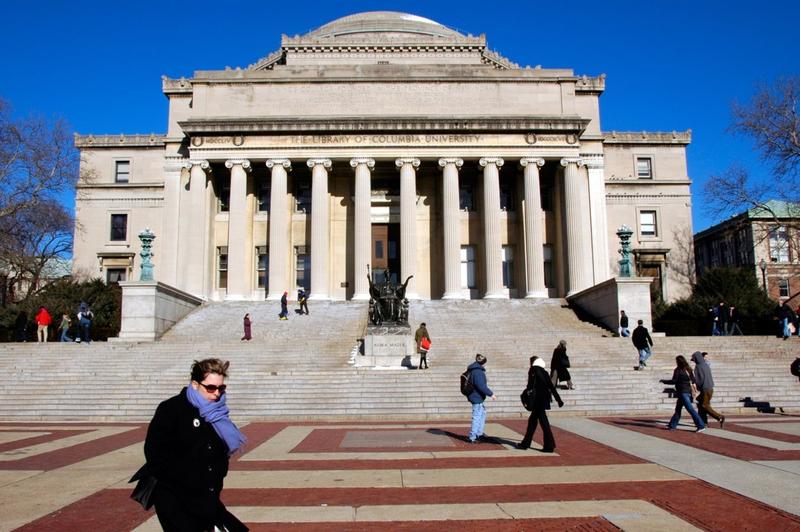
(670, 65)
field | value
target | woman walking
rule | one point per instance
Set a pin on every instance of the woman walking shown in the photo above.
(188, 445)
(683, 380)
(247, 330)
(64, 328)
(559, 366)
(540, 392)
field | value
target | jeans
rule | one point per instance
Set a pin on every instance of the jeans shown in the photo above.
(685, 401)
(85, 330)
(624, 332)
(478, 421)
(64, 337)
(644, 354)
(786, 332)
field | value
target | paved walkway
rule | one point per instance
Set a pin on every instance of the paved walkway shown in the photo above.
(607, 474)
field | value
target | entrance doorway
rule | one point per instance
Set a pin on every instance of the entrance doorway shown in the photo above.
(385, 252)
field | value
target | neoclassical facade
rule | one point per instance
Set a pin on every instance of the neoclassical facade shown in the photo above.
(384, 141)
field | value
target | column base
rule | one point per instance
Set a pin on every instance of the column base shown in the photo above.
(319, 297)
(503, 294)
(537, 294)
(360, 297)
(455, 295)
(236, 297)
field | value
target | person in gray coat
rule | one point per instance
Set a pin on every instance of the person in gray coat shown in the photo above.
(705, 385)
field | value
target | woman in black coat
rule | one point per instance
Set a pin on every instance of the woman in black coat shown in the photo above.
(559, 365)
(188, 444)
(683, 379)
(541, 392)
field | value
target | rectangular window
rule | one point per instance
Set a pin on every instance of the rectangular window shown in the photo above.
(644, 168)
(379, 249)
(508, 267)
(119, 227)
(224, 194)
(778, 244)
(115, 275)
(303, 268)
(783, 287)
(264, 191)
(467, 266)
(222, 267)
(122, 171)
(647, 223)
(547, 251)
(262, 267)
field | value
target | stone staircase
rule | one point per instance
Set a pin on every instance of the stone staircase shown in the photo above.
(302, 368)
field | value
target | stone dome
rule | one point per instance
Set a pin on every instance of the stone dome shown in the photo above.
(384, 22)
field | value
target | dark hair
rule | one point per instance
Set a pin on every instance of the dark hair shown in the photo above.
(200, 370)
(533, 358)
(422, 324)
(640, 322)
(682, 364)
(480, 359)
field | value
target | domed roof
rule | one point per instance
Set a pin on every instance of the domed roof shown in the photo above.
(391, 22)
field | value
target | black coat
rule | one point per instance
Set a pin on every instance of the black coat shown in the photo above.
(543, 389)
(682, 380)
(560, 363)
(190, 461)
(641, 337)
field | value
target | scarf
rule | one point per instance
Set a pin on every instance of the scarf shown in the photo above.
(216, 413)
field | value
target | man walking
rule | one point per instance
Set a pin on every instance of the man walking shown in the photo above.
(705, 385)
(480, 391)
(642, 342)
(302, 301)
(623, 324)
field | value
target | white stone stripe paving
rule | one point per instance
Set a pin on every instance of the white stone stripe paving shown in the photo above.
(792, 466)
(754, 440)
(7, 436)
(94, 433)
(784, 427)
(630, 515)
(280, 446)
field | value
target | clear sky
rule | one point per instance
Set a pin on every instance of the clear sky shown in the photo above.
(670, 65)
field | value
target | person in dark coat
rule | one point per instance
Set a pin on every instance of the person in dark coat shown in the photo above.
(722, 310)
(623, 324)
(733, 320)
(188, 445)
(705, 385)
(643, 343)
(21, 327)
(302, 301)
(559, 365)
(479, 394)
(682, 379)
(422, 332)
(542, 392)
(247, 328)
(284, 315)
(786, 316)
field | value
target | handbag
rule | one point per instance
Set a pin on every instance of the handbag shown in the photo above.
(527, 397)
(425, 343)
(143, 492)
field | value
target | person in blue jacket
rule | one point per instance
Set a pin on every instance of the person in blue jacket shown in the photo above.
(479, 394)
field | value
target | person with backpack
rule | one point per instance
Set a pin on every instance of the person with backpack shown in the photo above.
(478, 389)
(423, 341)
(539, 393)
(85, 317)
(683, 380)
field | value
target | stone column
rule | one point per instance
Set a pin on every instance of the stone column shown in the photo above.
(534, 230)
(408, 222)
(492, 244)
(579, 246)
(451, 222)
(167, 271)
(279, 215)
(320, 222)
(597, 213)
(193, 259)
(240, 233)
(363, 227)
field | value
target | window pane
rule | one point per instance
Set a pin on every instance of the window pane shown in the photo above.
(647, 223)
(644, 167)
(119, 227)
(122, 172)
(379, 249)
(783, 285)
(115, 275)
(222, 267)
(467, 267)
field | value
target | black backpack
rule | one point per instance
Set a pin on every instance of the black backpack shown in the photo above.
(466, 383)
(794, 368)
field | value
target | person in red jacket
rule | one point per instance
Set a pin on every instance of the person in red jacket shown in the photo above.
(43, 320)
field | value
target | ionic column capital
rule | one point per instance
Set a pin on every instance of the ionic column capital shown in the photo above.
(355, 161)
(497, 161)
(444, 161)
(244, 163)
(286, 163)
(572, 160)
(401, 161)
(593, 160)
(525, 161)
(317, 162)
(176, 164)
(202, 163)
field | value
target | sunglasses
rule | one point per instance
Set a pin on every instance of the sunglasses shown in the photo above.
(211, 388)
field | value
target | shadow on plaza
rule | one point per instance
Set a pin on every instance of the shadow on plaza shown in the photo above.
(465, 438)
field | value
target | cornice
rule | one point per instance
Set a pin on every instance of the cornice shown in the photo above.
(127, 186)
(176, 86)
(115, 141)
(648, 137)
(332, 125)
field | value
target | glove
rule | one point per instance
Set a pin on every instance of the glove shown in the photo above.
(560, 404)
(662, 381)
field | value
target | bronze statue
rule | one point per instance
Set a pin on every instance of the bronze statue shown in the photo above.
(387, 301)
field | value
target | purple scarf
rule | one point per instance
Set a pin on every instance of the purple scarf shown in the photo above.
(216, 413)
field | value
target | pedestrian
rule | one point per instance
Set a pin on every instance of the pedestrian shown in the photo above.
(713, 314)
(302, 300)
(85, 317)
(722, 310)
(64, 327)
(643, 343)
(683, 380)
(423, 342)
(559, 365)
(21, 326)
(540, 392)
(623, 324)
(786, 316)
(705, 386)
(187, 449)
(247, 330)
(480, 392)
(284, 315)
(43, 321)
(733, 320)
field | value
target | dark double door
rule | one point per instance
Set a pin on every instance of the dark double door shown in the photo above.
(385, 251)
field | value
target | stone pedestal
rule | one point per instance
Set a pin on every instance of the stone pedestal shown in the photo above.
(150, 308)
(604, 301)
(388, 346)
